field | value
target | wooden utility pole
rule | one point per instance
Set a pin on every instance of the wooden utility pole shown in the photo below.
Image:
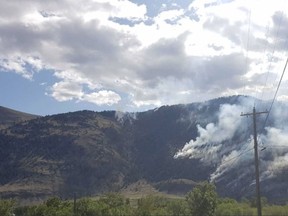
(254, 113)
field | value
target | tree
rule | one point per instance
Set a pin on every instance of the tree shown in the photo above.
(178, 208)
(152, 206)
(6, 207)
(115, 205)
(202, 200)
(54, 202)
(253, 202)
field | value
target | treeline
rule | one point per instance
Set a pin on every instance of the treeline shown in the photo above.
(202, 201)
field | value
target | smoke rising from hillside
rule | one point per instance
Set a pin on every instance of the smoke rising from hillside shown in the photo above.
(209, 142)
(228, 142)
(276, 154)
(234, 159)
(125, 116)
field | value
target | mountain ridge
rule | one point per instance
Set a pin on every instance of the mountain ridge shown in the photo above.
(10, 116)
(90, 153)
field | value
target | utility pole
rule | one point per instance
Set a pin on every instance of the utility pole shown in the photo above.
(254, 113)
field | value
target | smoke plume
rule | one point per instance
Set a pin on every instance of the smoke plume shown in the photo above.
(123, 117)
(208, 144)
(228, 144)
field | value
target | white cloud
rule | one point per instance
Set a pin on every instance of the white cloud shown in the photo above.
(16, 65)
(127, 9)
(195, 49)
(170, 15)
(102, 97)
(65, 91)
(283, 98)
(19, 65)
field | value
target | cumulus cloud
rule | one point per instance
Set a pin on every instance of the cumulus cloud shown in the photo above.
(20, 66)
(65, 91)
(102, 97)
(135, 56)
(119, 46)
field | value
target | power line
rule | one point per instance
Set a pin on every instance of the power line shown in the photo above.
(248, 39)
(238, 156)
(247, 46)
(242, 151)
(273, 51)
(278, 86)
(265, 49)
(276, 147)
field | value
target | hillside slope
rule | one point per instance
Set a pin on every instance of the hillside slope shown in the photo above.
(172, 148)
(80, 152)
(10, 116)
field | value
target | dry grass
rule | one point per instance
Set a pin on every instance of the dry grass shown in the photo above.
(142, 189)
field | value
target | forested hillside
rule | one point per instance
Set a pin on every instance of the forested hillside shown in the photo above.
(171, 148)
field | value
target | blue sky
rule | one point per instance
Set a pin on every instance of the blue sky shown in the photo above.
(136, 55)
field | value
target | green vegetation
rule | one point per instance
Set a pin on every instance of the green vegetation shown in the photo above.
(6, 207)
(202, 200)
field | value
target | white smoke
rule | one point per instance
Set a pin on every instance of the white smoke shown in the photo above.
(209, 142)
(275, 167)
(215, 142)
(276, 137)
(125, 116)
(276, 141)
(233, 160)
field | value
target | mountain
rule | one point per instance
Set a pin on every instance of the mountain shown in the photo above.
(10, 116)
(171, 148)
(79, 152)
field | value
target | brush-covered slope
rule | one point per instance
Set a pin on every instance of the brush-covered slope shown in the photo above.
(171, 148)
(80, 152)
(10, 116)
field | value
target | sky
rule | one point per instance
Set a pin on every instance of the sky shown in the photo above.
(65, 55)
